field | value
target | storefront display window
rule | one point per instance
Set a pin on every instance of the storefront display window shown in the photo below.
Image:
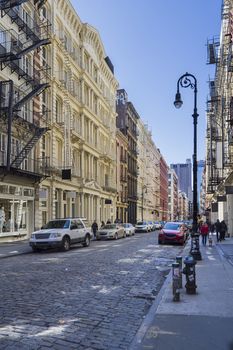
(16, 208)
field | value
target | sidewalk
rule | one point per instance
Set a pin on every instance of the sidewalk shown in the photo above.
(202, 321)
(14, 248)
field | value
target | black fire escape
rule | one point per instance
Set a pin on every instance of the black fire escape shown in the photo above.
(33, 33)
(212, 133)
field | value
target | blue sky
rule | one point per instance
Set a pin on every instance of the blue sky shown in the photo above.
(151, 44)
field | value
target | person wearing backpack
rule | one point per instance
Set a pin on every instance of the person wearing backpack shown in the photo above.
(223, 230)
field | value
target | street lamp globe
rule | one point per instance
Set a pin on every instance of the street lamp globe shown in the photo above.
(178, 102)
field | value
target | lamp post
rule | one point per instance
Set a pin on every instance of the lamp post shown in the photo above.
(185, 81)
(143, 188)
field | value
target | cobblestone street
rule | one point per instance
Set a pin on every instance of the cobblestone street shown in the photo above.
(87, 298)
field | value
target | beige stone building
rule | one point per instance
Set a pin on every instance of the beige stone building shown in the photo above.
(172, 195)
(82, 142)
(182, 206)
(62, 153)
(148, 161)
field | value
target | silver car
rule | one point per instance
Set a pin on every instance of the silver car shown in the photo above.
(142, 226)
(111, 231)
(129, 229)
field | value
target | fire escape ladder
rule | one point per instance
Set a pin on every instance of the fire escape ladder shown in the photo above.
(28, 147)
(34, 46)
(7, 4)
(33, 28)
(37, 90)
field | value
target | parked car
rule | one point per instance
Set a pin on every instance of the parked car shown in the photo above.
(129, 229)
(157, 225)
(173, 232)
(62, 233)
(151, 225)
(142, 226)
(111, 231)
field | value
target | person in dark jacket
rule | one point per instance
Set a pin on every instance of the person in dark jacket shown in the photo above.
(94, 228)
(223, 230)
(218, 229)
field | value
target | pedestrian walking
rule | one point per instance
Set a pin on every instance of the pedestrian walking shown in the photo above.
(212, 229)
(204, 231)
(223, 230)
(218, 229)
(94, 228)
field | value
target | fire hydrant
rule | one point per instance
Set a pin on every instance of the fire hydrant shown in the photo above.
(190, 274)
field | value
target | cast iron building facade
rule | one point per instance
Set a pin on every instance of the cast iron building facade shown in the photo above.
(24, 80)
(127, 118)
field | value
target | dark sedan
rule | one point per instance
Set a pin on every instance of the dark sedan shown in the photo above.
(173, 232)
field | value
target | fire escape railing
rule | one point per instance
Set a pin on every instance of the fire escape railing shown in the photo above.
(33, 33)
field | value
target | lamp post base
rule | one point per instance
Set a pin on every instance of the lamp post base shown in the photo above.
(196, 255)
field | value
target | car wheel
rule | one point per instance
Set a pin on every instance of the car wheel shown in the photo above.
(116, 236)
(65, 244)
(35, 249)
(87, 241)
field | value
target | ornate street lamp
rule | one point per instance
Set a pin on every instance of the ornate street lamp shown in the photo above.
(189, 80)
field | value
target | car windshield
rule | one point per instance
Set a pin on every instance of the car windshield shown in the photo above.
(57, 224)
(125, 225)
(109, 227)
(141, 223)
(171, 226)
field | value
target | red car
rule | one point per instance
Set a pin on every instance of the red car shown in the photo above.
(173, 232)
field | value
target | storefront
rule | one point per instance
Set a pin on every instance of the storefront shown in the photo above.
(16, 211)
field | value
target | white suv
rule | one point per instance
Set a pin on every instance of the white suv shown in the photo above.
(61, 233)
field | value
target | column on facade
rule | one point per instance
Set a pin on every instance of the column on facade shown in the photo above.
(82, 124)
(76, 205)
(92, 207)
(82, 165)
(81, 198)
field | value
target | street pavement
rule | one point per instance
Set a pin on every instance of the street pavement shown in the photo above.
(88, 298)
(14, 248)
(201, 321)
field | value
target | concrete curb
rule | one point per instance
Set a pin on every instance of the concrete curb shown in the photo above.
(150, 316)
(152, 312)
